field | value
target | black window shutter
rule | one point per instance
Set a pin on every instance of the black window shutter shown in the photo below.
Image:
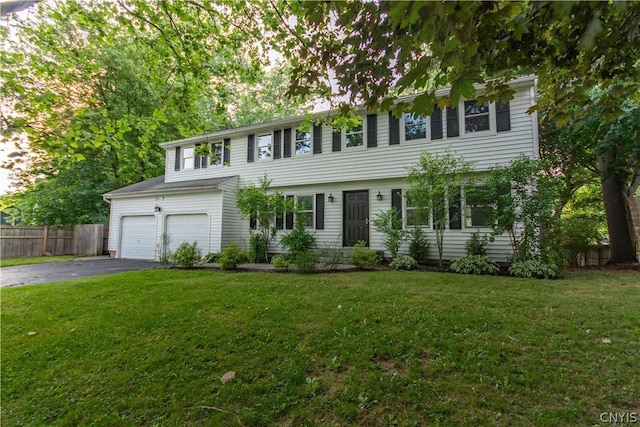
(453, 126)
(436, 123)
(394, 129)
(280, 219)
(288, 216)
(251, 148)
(252, 222)
(317, 139)
(196, 157)
(396, 201)
(226, 151)
(336, 140)
(178, 159)
(320, 211)
(204, 163)
(287, 143)
(372, 130)
(503, 117)
(455, 212)
(277, 144)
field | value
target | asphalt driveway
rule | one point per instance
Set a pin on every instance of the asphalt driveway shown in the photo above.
(81, 267)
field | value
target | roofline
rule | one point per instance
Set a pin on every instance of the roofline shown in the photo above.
(517, 82)
(110, 196)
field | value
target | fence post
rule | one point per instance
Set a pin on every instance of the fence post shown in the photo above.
(45, 239)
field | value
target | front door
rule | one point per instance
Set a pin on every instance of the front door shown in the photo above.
(356, 214)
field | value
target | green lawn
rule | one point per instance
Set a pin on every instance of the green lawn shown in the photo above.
(370, 348)
(11, 262)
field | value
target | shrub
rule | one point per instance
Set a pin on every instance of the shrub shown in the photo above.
(211, 257)
(477, 245)
(389, 223)
(305, 262)
(280, 262)
(404, 262)
(231, 256)
(419, 246)
(364, 257)
(257, 248)
(187, 255)
(535, 268)
(299, 240)
(474, 264)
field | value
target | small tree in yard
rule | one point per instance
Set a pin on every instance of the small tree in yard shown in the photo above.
(259, 204)
(527, 205)
(389, 223)
(434, 183)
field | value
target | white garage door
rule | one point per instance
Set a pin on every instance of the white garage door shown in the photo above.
(138, 237)
(188, 228)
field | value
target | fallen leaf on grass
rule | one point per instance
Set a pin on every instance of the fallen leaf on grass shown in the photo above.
(228, 377)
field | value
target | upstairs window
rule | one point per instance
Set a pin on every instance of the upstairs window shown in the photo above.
(354, 136)
(264, 147)
(476, 116)
(415, 127)
(303, 142)
(187, 158)
(216, 150)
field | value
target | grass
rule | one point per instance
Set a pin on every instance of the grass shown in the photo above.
(11, 262)
(370, 348)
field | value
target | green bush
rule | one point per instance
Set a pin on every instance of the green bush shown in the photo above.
(305, 262)
(231, 256)
(474, 264)
(579, 233)
(187, 255)
(389, 223)
(280, 262)
(477, 245)
(299, 240)
(257, 248)
(404, 262)
(364, 257)
(534, 268)
(419, 246)
(211, 257)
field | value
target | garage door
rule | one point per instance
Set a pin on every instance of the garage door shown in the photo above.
(138, 239)
(188, 228)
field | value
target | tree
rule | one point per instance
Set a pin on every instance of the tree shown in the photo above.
(261, 206)
(372, 52)
(389, 223)
(527, 206)
(434, 185)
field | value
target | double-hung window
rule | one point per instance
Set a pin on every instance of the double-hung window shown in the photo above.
(476, 116)
(415, 127)
(478, 209)
(305, 208)
(188, 157)
(216, 151)
(303, 142)
(354, 136)
(264, 146)
(416, 216)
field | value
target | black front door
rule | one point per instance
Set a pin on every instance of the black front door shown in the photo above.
(356, 214)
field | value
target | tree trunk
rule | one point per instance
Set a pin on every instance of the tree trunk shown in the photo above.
(621, 232)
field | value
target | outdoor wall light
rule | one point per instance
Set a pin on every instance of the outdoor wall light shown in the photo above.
(330, 198)
(157, 209)
(379, 196)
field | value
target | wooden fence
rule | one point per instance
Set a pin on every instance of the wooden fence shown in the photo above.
(21, 241)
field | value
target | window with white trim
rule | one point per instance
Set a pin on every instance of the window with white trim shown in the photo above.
(265, 147)
(415, 127)
(478, 207)
(188, 157)
(305, 208)
(354, 136)
(303, 142)
(415, 216)
(216, 150)
(476, 116)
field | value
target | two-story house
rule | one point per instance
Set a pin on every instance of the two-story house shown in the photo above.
(342, 177)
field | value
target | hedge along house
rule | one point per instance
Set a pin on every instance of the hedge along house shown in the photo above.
(342, 177)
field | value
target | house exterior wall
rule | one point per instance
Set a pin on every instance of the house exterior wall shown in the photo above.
(170, 204)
